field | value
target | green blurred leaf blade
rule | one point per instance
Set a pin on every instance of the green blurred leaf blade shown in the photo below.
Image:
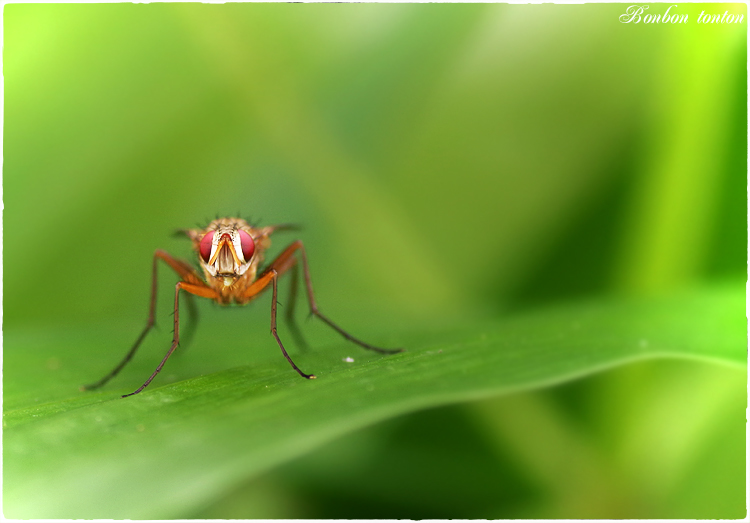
(238, 422)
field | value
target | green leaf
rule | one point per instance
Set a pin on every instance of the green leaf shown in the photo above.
(174, 447)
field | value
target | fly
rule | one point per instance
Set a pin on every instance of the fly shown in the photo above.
(230, 252)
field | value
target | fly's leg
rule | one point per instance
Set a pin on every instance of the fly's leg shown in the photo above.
(271, 276)
(284, 262)
(187, 274)
(275, 278)
(149, 325)
(200, 290)
(314, 309)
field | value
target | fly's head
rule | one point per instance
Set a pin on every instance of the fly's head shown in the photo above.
(228, 249)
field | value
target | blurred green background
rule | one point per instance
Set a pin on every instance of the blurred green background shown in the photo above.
(448, 164)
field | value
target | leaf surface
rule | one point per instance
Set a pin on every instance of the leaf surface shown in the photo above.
(174, 447)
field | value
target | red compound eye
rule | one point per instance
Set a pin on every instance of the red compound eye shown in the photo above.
(206, 246)
(248, 245)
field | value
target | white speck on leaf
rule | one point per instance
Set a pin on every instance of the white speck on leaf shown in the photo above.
(348, 359)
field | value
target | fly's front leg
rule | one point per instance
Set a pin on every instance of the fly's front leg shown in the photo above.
(271, 276)
(186, 273)
(199, 290)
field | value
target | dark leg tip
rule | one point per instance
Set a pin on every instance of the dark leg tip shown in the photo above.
(387, 351)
